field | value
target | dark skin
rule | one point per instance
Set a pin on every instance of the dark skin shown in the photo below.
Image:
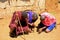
(32, 24)
(41, 29)
(27, 19)
(28, 30)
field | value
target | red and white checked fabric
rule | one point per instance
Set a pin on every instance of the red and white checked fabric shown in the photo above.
(49, 19)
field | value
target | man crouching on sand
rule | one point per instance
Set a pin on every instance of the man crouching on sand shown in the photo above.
(48, 22)
(32, 17)
(18, 23)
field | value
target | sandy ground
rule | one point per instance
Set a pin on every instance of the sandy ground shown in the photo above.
(4, 29)
(5, 17)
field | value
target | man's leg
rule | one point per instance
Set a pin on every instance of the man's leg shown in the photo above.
(51, 27)
(40, 27)
(32, 28)
(12, 30)
(27, 29)
(12, 27)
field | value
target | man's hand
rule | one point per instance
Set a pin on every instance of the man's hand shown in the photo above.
(41, 29)
(32, 24)
(16, 21)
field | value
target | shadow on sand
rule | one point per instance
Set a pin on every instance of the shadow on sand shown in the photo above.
(3, 1)
(13, 34)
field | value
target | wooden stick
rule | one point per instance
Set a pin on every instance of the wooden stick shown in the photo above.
(21, 27)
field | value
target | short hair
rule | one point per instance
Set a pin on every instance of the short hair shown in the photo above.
(42, 17)
(35, 16)
(24, 14)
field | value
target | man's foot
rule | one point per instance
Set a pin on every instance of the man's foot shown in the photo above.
(40, 30)
(13, 35)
